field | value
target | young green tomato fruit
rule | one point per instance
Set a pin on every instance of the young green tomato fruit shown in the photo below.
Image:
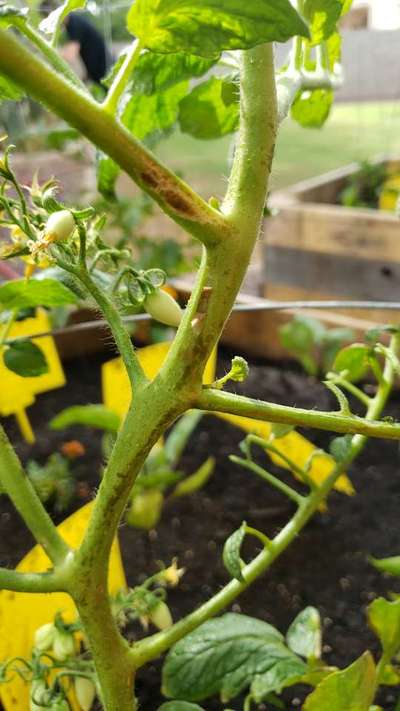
(85, 692)
(145, 510)
(38, 695)
(63, 645)
(60, 226)
(161, 616)
(162, 307)
(44, 637)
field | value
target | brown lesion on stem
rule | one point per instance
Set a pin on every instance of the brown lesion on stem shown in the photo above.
(202, 308)
(168, 192)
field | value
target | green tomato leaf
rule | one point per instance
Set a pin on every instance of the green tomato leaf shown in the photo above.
(179, 435)
(179, 706)
(209, 111)
(384, 618)
(146, 508)
(304, 636)
(279, 431)
(302, 334)
(206, 27)
(352, 689)
(322, 16)
(312, 108)
(107, 172)
(98, 416)
(300, 338)
(152, 116)
(231, 553)
(158, 72)
(222, 656)
(346, 5)
(23, 294)
(387, 565)
(353, 360)
(8, 90)
(283, 674)
(25, 359)
(10, 15)
(197, 480)
(340, 448)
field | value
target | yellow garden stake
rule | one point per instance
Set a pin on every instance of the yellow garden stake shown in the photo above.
(295, 447)
(17, 393)
(390, 193)
(115, 383)
(25, 426)
(22, 613)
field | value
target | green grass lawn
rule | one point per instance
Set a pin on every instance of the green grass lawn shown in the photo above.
(353, 132)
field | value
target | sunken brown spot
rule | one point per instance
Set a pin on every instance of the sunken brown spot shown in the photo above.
(150, 179)
(178, 202)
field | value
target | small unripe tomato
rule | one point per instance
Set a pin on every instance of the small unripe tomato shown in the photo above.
(63, 645)
(163, 308)
(38, 695)
(44, 637)
(85, 692)
(60, 226)
(161, 616)
(145, 510)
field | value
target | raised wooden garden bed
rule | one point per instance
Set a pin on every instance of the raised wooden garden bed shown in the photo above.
(316, 249)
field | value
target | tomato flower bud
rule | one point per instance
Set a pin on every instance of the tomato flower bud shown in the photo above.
(60, 226)
(85, 692)
(160, 616)
(63, 645)
(162, 307)
(44, 637)
(173, 574)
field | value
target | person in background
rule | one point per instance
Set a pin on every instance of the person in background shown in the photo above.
(85, 40)
(92, 47)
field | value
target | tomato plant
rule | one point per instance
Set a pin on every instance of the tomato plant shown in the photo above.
(149, 92)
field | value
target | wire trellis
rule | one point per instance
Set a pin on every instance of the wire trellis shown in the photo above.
(262, 305)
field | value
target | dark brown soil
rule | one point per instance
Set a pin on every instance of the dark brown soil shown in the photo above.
(326, 567)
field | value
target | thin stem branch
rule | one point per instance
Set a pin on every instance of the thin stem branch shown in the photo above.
(351, 388)
(216, 401)
(50, 53)
(270, 447)
(117, 88)
(154, 646)
(270, 478)
(31, 582)
(21, 492)
(76, 107)
(121, 336)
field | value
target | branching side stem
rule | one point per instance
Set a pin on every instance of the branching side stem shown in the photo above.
(25, 499)
(217, 401)
(154, 646)
(173, 195)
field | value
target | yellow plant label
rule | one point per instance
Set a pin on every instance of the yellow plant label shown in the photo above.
(296, 447)
(22, 613)
(115, 382)
(18, 393)
(390, 193)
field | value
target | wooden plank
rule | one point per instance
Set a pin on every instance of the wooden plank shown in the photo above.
(282, 292)
(344, 276)
(336, 230)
